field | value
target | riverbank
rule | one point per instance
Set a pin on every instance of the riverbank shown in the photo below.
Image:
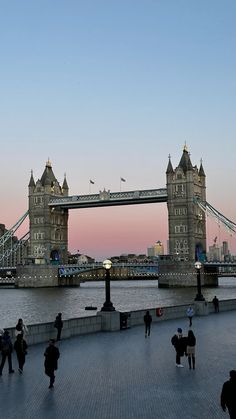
(42, 305)
(42, 332)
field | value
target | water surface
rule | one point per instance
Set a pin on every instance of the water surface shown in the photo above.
(42, 304)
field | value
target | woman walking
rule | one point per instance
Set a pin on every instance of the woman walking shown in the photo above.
(191, 344)
(21, 328)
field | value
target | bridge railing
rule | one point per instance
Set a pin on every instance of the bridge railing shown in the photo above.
(137, 269)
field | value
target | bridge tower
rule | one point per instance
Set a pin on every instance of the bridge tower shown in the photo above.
(48, 227)
(187, 222)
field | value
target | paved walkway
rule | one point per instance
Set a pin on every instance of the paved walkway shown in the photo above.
(122, 375)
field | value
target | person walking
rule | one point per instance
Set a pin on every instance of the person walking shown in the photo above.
(190, 314)
(215, 302)
(190, 350)
(21, 328)
(227, 398)
(52, 355)
(6, 348)
(147, 321)
(20, 347)
(58, 324)
(179, 343)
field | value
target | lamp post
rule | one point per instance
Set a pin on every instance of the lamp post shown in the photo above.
(199, 296)
(107, 306)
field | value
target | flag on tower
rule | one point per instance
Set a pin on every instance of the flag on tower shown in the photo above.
(92, 182)
(122, 179)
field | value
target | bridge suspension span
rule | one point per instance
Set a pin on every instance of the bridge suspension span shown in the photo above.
(10, 233)
(8, 246)
(229, 225)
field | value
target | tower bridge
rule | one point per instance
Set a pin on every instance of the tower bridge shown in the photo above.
(185, 195)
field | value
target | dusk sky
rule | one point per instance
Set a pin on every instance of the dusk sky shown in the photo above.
(108, 89)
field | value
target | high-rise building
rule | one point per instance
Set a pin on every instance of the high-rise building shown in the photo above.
(214, 253)
(225, 249)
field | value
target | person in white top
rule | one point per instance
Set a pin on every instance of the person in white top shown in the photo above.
(190, 314)
(21, 328)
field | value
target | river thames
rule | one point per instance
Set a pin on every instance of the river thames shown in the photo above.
(42, 304)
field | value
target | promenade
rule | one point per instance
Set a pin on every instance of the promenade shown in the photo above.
(122, 375)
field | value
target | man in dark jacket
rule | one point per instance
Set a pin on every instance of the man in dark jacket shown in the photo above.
(147, 321)
(6, 348)
(216, 304)
(180, 344)
(228, 399)
(52, 355)
(20, 347)
(58, 324)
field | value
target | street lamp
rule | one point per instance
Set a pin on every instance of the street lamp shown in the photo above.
(107, 306)
(199, 296)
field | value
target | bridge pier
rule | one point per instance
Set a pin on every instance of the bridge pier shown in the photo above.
(174, 271)
(36, 276)
(211, 274)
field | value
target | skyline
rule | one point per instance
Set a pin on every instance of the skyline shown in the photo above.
(107, 91)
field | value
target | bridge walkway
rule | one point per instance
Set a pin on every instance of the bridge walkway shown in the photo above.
(122, 375)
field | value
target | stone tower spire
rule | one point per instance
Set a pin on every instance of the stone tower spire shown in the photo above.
(65, 188)
(31, 182)
(169, 169)
(201, 170)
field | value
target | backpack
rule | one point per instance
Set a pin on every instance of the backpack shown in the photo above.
(174, 340)
(5, 345)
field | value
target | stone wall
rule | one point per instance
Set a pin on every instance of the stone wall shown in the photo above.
(38, 333)
(42, 332)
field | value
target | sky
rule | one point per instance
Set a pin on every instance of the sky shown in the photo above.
(108, 89)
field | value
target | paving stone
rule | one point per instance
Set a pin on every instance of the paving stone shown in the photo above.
(123, 375)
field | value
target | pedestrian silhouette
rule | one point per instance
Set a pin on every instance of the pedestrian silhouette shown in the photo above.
(179, 343)
(6, 348)
(190, 314)
(21, 328)
(191, 343)
(216, 304)
(58, 324)
(20, 347)
(147, 321)
(52, 355)
(228, 399)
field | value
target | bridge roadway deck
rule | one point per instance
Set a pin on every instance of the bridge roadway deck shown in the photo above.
(122, 375)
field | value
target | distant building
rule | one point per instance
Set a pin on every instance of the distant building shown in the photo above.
(218, 253)
(156, 250)
(214, 254)
(130, 258)
(225, 250)
(78, 258)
